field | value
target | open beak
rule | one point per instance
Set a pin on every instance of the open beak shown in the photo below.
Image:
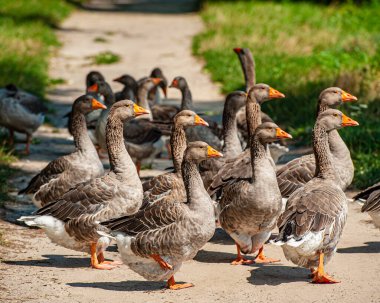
(212, 153)
(199, 121)
(156, 81)
(274, 93)
(347, 121)
(139, 110)
(97, 105)
(174, 83)
(237, 50)
(280, 134)
(346, 97)
(93, 88)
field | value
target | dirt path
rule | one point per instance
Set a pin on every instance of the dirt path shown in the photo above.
(35, 270)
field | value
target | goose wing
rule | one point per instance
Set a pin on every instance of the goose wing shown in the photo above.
(141, 131)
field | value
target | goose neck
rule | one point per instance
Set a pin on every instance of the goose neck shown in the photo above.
(253, 115)
(232, 146)
(258, 153)
(324, 165)
(78, 129)
(187, 99)
(142, 98)
(178, 146)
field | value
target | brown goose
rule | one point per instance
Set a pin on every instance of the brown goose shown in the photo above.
(231, 142)
(171, 184)
(249, 209)
(315, 214)
(72, 220)
(239, 168)
(194, 133)
(80, 166)
(158, 239)
(129, 91)
(153, 94)
(371, 195)
(297, 172)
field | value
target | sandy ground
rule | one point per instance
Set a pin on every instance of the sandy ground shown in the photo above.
(32, 269)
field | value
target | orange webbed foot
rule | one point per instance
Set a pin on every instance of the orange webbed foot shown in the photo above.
(174, 286)
(323, 278)
(241, 261)
(102, 266)
(261, 259)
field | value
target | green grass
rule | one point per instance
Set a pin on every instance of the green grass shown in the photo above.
(6, 158)
(100, 40)
(106, 57)
(300, 49)
(27, 38)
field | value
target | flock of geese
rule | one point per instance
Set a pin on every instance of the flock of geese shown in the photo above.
(166, 220)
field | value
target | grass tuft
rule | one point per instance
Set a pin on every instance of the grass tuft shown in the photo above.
(106, 57)
(300, 49)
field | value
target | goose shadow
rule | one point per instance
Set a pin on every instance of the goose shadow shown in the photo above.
(221, 237)
(207, 256)
(56, 261)
(122, 285)
(273, 274)
(370, 247)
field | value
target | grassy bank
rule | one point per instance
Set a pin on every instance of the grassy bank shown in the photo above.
(27, 39)
(300, 49)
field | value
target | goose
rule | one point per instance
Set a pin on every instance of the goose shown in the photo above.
(129, 91)
(239, 168)
(371, 195)
(159, 238)
(249, 71)
(299, 171)
(71, 221)
(249, 209)
(171, 184)
(231, 142)
(22, 114)
(315, 214)
(153, 94)
(194, 133)
(80, 166)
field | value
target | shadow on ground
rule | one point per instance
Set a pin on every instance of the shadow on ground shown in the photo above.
(370, 247)
(122, 285)
(56, 261)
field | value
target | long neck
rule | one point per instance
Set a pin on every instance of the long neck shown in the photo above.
(253, 114)
(337, 146)
(109, 98)
(258, 152)
(78, 129)
(324, 166)
(232, 146)
(249, 72)
(187, 99)
(142, 98)
(178, 146)
(120, 161)
(192, 180)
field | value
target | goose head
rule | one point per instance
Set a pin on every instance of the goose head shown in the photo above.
(234, 101)
(199, 151)
(188, 118)
(127, 80)
(157, 73)
(148, 83)
(335, 96)
(179, 83)
(93, 77)
(263, 92)
(126, 110)
(334, 119)
(86, 104)
(269, 132)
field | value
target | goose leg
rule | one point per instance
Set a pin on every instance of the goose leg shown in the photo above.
(240, 260)
(102, 260)
(11, 137)
(94, 259)
(161, 262)
(172, 285)
(260, 258)
(138, 167)
(28, 141)
(319, 275)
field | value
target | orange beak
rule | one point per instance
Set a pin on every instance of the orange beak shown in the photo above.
(156, 81)
(174, 83)
(212, 153)
(237, 50)
(97, 105)
(93, 88)
(274, 93)
(346, 97)
(347, 121)
(280, 134)
(139, 110)
(199, 121)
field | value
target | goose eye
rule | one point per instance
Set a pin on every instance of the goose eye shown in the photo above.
(335, 115)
